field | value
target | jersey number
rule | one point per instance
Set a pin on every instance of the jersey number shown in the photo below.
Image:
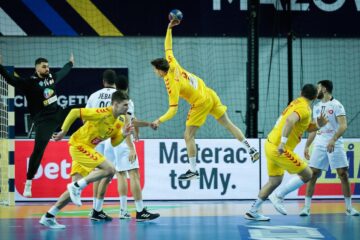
(104, 104)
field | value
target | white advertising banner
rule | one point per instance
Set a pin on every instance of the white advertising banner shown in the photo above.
(226, 170)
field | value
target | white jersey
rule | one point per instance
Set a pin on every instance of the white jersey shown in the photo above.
(100, 98)
(332, 109)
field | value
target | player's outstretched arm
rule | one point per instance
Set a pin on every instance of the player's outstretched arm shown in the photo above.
(65, 70)
(11, 79)
(69, 120)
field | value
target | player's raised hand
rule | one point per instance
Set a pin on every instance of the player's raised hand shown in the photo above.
(322, 120)
(173, 23)
(71, 59)
(58, 136)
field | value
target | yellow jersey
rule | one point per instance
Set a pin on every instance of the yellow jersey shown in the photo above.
(303, 109)
(100, 124)
(181, 83)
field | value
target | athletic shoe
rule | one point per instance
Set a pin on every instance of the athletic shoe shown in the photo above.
(100, 216)
(50, 223)
(144, 215)
(75, 193)
(254, 154)
(27, 190)
(124, 214)
(305, 212)
(189, 175)
(278, 203)
(255, 216)
(352, 212)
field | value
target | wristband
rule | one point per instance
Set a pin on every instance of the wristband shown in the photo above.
(283, 140)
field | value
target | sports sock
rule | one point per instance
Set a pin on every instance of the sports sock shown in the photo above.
(123, 203)
(293, 184)
(52, 211)
(256, 205)
(192, 164)
(99, 204)
(139, 205)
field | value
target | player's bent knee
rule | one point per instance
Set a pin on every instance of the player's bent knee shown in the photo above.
(343, 175)
(110, 172)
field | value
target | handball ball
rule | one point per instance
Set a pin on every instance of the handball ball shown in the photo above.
(175, 15)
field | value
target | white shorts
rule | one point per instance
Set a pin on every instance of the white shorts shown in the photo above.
(321, 158)
(119, 156)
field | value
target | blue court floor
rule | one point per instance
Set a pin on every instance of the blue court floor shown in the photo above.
(186, 220)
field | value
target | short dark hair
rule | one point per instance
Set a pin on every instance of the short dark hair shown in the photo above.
(161, 64)
(109, 76)
(40, 60)
(119, 96)
(309, 91)
(122, 83)
(327, 84)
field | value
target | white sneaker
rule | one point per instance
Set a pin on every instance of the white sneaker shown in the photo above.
(352, 212)
(278, 203)
(255, 216)
(124, 214)
(75, 193)
(305, 212)
(27, 190)
(50, 223)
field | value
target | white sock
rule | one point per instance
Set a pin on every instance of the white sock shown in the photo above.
(293, 184)
(123, 203)
(246, 143)
(28, 182)
(94, 202)
(53, 210)
(99, 204)
(307, 201)
(348, 202)
(82, 183)
(139, 205)
(256, 205)
(192, 164)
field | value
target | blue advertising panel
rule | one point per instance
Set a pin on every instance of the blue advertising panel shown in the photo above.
(74, 89)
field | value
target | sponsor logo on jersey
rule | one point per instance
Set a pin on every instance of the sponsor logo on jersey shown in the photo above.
(48, 92)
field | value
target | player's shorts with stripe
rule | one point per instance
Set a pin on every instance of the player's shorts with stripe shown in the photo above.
(321, 158)
(84, 159)
(198, 113)
(288, 161)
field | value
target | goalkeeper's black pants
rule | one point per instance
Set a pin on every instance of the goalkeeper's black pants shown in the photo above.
(44, 127)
